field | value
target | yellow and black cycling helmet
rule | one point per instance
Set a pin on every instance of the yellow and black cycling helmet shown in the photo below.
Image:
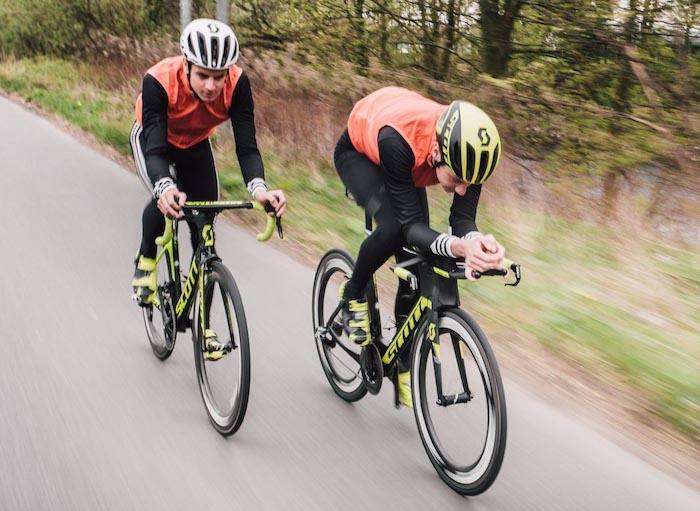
(469, 142)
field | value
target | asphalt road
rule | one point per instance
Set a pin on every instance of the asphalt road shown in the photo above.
(91, 420)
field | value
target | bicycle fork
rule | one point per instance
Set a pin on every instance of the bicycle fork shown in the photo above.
(433, 337)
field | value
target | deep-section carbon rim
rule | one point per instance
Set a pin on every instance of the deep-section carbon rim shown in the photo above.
(224, 384)
(160, 320)
(339, 360)
(465, 442)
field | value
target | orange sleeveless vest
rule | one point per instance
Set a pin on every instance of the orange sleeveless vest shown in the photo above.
(190, 120)
(409, 113)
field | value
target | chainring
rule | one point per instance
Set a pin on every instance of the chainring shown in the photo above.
(372, 369)
(167, 311)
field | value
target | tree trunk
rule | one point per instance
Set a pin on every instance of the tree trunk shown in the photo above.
(497, 23)
(360, 51)
(631, 32)
(383, 38)
(648, 19)
(450, 38)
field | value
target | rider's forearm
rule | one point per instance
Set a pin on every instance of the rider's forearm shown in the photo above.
(253, 172)
(157, 168)
(424, 238)
(243, 124)
(463, 211)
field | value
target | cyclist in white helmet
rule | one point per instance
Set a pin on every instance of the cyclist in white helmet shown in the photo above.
(397, 143)
(182, 100)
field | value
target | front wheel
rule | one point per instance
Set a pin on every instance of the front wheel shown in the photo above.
(340, 357)
(465, 441)
(225, 383)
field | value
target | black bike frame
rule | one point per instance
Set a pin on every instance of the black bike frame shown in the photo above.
(436, 291)
(183, 296)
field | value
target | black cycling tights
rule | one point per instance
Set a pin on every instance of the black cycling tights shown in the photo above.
(365, 181)
(195, 174)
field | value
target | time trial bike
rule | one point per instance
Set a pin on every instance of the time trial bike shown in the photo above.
(209, 304)
(458, 399)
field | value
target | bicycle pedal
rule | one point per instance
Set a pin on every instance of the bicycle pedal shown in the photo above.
(147, 302)
(337, 328)
(214, 355)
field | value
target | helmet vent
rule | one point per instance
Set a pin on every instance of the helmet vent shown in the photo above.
(203, 49)
(215, 52)
(227, 50)
(495, 159)
(467, 173)
(191, 46)
(483, 163)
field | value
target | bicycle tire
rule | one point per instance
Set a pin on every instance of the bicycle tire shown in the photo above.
(340, 361)
(160, 321)
(476, 475)
(229, 321)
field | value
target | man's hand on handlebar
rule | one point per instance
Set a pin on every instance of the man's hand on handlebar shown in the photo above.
(275, 198)
(170, 202)
(480, 254)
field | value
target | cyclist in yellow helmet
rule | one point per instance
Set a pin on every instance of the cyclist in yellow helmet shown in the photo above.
(396, 143)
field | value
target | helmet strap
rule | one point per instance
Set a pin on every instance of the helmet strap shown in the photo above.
(435, 155)
(189, 79)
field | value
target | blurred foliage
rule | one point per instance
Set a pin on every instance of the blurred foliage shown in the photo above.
(78, 27)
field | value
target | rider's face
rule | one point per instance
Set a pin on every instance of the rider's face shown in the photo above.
(207, 84)
(449, 180)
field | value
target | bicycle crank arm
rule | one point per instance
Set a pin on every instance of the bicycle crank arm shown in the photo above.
(454, 399)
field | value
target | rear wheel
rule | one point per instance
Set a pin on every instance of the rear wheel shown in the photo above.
(225, 383)
(340, 357)
(465, 441)
(159, 317)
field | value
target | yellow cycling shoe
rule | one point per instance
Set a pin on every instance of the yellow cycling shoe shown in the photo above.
(355, 316)
(144, 281)
(405, 389)
(213, 349)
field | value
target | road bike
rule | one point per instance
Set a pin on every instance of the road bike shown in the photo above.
(458, 399)
(209, 304)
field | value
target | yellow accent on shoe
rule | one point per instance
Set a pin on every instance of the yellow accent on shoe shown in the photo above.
(213, 349)
(148, 281)
(214, 355)
(341, 289)
(360, 333)
(146, 264)
(144, 281)
(405, 389)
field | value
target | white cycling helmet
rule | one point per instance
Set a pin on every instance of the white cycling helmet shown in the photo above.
(210, 44)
